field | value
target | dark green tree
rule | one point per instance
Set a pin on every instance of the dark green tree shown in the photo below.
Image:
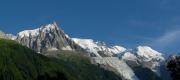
(173, 66)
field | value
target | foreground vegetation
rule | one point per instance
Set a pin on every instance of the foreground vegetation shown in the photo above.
(21, 63)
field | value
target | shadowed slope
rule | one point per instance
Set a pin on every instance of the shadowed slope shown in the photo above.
(21, 63)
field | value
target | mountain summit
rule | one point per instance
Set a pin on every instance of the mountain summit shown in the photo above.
(48, 37)
(127, 63)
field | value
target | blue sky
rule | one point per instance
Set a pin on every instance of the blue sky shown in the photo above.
(129, 23)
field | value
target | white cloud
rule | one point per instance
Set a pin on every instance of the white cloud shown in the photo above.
(168, 39)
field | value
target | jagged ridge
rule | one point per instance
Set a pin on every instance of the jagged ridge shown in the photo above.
(48, 37)
(51, 37)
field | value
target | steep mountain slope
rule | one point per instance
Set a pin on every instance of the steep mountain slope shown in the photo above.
(51, 38)
(120, 58)
(144, 73)
(21, 63)
(146, 56)
(101, 54)
(48, 37)
(119, 66)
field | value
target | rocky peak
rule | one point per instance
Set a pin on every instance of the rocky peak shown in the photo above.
(35, 32)
(51, 37)
(48, 37)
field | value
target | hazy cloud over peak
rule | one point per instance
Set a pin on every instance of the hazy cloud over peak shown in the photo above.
(167, 41)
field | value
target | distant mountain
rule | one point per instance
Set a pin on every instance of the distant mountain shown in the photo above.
(98, 49)
(127, 63)
(7, 36)
(121, 58)
(21, 63)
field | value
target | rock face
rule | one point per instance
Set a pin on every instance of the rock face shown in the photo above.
(48, 37)
(120, 58)
(123, 61)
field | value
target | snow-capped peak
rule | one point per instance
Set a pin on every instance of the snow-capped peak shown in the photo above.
(35, 32)
(87, 44)
(49, 27)
(51, 38)
(96, 47)
(27, 33)
(118, 49)
(147, 53)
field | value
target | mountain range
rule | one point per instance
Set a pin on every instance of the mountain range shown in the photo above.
(140, 63)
